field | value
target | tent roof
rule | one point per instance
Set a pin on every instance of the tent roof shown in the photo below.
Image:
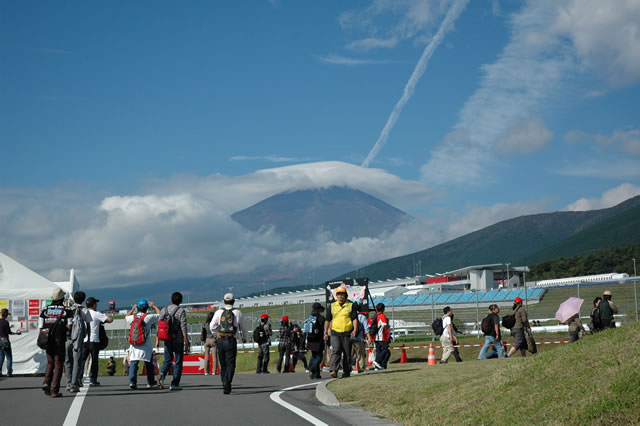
(19, 282)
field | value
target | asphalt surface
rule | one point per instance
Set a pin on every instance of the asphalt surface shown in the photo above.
(201, 401)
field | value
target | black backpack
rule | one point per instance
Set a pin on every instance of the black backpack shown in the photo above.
(260, 335)
(487, 325)
(104, 340)
(437, 327)
(508, 321)
(373, 329)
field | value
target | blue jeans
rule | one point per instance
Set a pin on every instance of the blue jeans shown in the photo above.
(133, 372)
(173, 349)
(497, 348)
(6, 353)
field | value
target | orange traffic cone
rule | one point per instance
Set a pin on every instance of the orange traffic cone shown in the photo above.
(218, 369)
(403, 357)
(431, 358)
(369, 362)
(355, 368)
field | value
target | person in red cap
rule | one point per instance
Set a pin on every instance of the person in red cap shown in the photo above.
(518, 330)
(262, 336)
(284, 345)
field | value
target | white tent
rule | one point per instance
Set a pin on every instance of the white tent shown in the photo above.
(25, 293)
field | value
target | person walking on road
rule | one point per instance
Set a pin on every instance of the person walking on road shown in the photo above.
(315, 341)
(262, 336)
(607, 310)
(142, 351)
(97, 318)
(518, 330)
(228, 324)
(285, 343)
(299, 348)
(5, 343)
(54, 318)
(75, 345)
(210, 350)
(492, 336)
(178, 344)
(382, 338)
(359, 343)
(449, 337)
(342, 322)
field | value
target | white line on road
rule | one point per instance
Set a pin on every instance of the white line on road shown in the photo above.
(275, 397)
(74, 411)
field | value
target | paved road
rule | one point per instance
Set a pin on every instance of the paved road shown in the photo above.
(200, 402)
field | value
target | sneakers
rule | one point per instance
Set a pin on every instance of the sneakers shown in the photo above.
(56, 395)
(46, 389)
(150, 385)
(133, 386)
(206, 374)
(377, 366)
(94, 383)
(259, 372)
(312, 375)
(175, 388)
(160, 381)
(74, 389)
(333, 374)
(266, 372)
(306, 371)
(227, 389)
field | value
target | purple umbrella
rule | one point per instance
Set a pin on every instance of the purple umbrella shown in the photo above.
(569, 308)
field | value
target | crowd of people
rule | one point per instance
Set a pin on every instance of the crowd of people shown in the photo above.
(70, 333)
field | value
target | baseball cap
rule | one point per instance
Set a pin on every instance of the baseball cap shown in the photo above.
(265, 316)
(607, 293)
(229, 297)
(341, 289)
(5, 311)
(92, 301)
(142, 303)
(285, 318)
(517, 300)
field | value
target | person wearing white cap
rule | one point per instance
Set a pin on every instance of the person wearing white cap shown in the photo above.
(228, 323)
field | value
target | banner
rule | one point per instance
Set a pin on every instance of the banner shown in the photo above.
(357, 291)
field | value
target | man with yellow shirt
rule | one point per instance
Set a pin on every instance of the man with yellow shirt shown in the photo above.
(342, 322)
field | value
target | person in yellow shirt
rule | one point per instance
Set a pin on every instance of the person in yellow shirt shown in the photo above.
(341, 325)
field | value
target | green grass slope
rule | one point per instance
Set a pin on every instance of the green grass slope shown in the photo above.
(594, 381)
(620, 230)
(506, 241)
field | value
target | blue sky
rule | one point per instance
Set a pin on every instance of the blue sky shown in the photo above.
(174, 116)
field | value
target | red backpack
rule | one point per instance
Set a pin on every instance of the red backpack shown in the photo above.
(166, 327)
(137, 330)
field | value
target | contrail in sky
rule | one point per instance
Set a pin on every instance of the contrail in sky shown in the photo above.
(447, 25)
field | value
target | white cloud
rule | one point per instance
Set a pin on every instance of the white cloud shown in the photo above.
(610, 198)
(597, 168)
(524, 137)
(272, 158)
(387, 22)
(626, 141)
(549, 47)
(181, 227)
(478, 217)
(343, 60)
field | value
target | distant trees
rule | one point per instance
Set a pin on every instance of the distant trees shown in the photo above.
(598, 262)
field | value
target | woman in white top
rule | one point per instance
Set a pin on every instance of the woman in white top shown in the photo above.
(143, 351)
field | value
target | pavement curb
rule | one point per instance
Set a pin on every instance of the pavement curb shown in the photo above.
(325, 396)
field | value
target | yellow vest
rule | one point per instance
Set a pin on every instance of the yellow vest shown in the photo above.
(341, 321)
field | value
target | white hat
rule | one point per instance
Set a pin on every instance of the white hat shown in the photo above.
(57, 294)
(229, 297)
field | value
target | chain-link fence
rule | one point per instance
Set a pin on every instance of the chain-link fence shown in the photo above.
(414, 322)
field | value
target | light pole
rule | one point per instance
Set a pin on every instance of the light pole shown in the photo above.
(507, 274)
(635, 291)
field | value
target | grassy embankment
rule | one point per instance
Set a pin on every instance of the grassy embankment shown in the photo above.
(596, 380)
